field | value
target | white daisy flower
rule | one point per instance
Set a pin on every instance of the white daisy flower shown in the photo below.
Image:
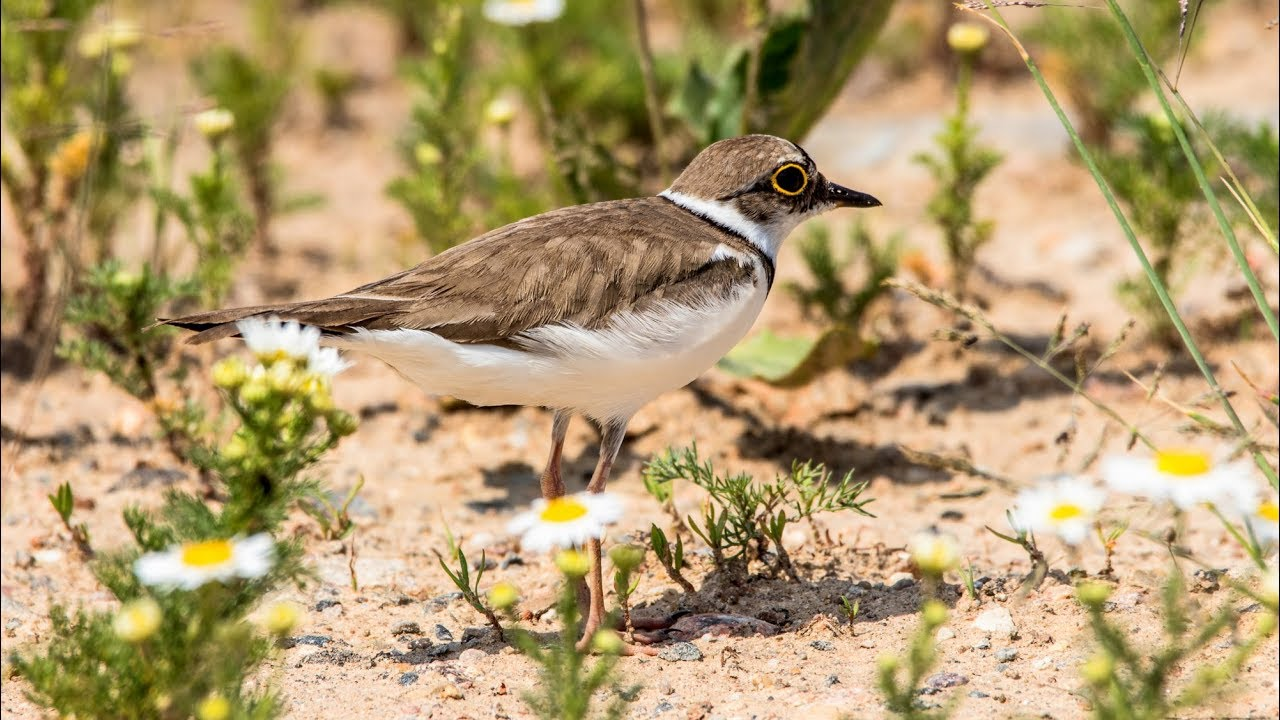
(1185, 477)
(1062, 505)
(564, 522)
(273, 339)
(1262, 515)
(326, 362)
(522, 12)
(190, 565)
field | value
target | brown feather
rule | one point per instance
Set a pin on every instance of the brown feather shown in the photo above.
(574, 265)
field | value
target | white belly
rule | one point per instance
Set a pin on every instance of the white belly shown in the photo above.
(604, 374)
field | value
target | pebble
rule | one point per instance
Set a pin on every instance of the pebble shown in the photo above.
(662, 707)
(1042, 663)
(983, 644)
(23, 559)
(945, 633)
(867, 644)
(443, 634)
(996, 621)
(946, 680)
(1007, 654)
(408, 678)
(313, 640)
(447, 690)
(977, 694)
(831, 680)
(406, 627)
(665, 688)
(681, 651)
(470, 656)
(901, 580)
(825, 645)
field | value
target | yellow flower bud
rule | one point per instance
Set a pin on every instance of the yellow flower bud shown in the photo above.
(137, 620)
(255, 389)
(504, 595)
(607, 642)
(967, 37)
(213, 707)
(281, 617)
(214, 123)
(1093, 594)
(235, 449)
(626, 557)
(71, 158)
(1098, 669)
(427, 154)
(230, 373)
(934, 612)
(934, 553)
(887, 663)
(116, 35)
(573, 563)
(500, 111)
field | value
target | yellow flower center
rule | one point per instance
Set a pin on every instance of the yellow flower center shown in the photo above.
(1065, 511)
(1183, 463)
(206, 554)
(1269, 511)
(562, 510)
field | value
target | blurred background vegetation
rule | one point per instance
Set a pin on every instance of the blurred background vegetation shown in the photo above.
(510, 115)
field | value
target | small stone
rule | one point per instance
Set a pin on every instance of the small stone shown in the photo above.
(831, 680)
(23, 559)
(1007, 654)
(313, 640)
(665, 688)
(983, 644)
(406, 627)
(408, 678)
(824, 645)
(901, 580)
(977, 694)
(325, 604)
(681, 651)
(945, 633)
(996, 621)
(447, 690)
(662, 707)
(867, 644)
(946, 680)
(443, 634)
(470, 656)
(1042, 663)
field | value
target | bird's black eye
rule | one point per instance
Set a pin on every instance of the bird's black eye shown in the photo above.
(790, 179)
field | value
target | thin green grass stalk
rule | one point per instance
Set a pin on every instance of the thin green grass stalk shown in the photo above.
(1144, 61)
(1161, 292)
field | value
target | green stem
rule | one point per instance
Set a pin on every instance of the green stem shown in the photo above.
(1144, 61)
(1161, 292)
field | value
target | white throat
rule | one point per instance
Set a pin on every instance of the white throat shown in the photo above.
(767, 237)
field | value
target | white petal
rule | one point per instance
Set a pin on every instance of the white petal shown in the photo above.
(253, 556)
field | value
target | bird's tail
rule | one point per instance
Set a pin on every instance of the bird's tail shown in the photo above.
(334, 316)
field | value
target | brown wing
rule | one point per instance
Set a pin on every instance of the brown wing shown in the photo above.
(576, 265)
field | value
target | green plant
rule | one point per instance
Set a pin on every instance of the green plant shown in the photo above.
(567, 678)
(901, 694)
(67, 119)
(179, 645)
(829, 296)
(770, 86)
(460, 575)
(670, 556)
(64, 503)
(450, 166)
(744, 518)
(253, 87)
(334, 521)
(959, 166)
(1127, 681)
(1027, 541)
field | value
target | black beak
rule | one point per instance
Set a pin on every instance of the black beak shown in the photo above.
(842, 196)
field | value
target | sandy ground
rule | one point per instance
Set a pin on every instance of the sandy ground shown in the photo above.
(402, 647)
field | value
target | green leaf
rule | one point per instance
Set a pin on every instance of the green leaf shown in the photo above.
(794, 361)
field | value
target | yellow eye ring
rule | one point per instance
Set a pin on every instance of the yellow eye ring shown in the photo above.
(785, 177)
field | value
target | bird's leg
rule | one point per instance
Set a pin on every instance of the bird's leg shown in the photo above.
(552, 481)
(612, 433)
